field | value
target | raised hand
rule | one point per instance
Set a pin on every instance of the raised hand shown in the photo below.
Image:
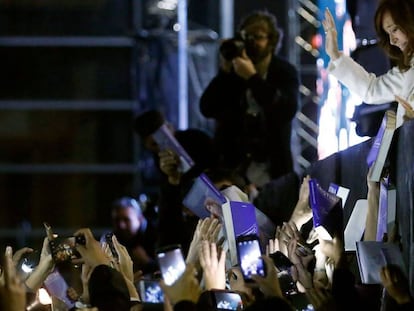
(19, 253)
(302, 212)
(213, 266)
(125, 264)
(333, 249)
(91, 252)
(269, 285)
(12, 290)
(299, 269)
(409, 112)
(274, 245)
(321, 299)
(331, 36)
(169, 164)
(43, 269)
(185, 288)
(395, 283)
(207, 229)
(243, 66)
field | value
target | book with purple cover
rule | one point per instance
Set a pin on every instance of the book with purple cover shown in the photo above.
(166, 140)
(381, 145)
(204, 198)
(340, 191)
(387, 209)
(239, 220)
(326, 209)
(373, 255)
(56, 286)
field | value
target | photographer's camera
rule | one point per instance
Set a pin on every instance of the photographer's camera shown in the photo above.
(232, 48)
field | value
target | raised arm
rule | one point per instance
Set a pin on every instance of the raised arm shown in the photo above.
(331, 36)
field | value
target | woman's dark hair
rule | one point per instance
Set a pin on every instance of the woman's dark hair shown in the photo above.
(275, 33)
(402, 13)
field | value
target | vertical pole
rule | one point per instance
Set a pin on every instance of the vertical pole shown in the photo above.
(226, 18)
(182, 65)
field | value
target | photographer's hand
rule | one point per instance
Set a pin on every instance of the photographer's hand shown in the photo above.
(225, 65)
(244, 67)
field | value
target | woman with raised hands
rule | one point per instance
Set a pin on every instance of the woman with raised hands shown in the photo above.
(394, 24)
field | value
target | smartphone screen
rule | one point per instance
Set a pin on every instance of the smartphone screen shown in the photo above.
(287, 284)
(150, 291)
(249, 253)
(63, 249)
(107, 238)
(171, 262)
(227, 300)
(281, 261)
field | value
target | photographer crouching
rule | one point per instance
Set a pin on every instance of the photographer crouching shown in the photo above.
(253, 100)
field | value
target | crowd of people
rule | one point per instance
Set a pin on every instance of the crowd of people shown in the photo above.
(253, 100)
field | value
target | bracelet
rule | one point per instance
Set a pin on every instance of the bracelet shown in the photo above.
(319, 270)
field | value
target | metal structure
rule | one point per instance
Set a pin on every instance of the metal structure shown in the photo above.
(302, 24)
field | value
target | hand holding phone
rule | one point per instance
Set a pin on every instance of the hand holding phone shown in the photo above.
(150, 291)
(64, 248)
(281, 261)
(283, 264)
(107, 238)
(49, 232)
(249, 255)
(226, 300)
(171, 261)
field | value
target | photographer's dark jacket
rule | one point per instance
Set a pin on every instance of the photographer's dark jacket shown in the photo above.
(261, 133)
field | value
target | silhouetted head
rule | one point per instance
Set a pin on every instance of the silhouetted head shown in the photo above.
(261, 34)
(146, 124)
(127, 217)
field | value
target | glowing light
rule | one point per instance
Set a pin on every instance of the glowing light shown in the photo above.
(169, 5)
(176, 27)
(27, 268)
(44, 297)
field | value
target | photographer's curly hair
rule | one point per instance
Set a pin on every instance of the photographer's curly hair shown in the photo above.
(402, 13)
(275, 33)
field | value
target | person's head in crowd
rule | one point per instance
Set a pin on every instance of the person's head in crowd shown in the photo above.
(146, 124)
(223, 178)
(109, 296)
(261, 35)
(127, 218)
(394, 24)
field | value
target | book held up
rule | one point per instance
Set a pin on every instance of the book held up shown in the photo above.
(373, 255)
(326, 209)
(379, 150)
(204, 199)
(166, 141)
